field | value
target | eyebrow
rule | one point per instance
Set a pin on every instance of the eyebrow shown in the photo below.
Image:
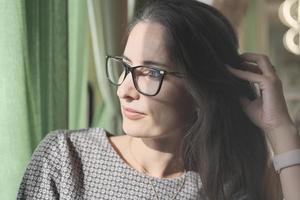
(148, 62)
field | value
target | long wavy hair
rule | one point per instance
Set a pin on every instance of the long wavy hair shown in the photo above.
(221, 143)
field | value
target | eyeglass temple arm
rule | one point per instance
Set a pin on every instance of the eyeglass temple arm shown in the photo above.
(177, 74)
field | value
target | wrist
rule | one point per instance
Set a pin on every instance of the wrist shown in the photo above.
(287, 159)
(284, 138)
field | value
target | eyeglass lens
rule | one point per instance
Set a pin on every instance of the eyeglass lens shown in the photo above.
(147, 80)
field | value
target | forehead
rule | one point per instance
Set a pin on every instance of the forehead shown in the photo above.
(146, 42)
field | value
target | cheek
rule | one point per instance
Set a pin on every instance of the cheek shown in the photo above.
(171, 107)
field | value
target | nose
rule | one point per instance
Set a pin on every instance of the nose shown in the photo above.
(127, 90)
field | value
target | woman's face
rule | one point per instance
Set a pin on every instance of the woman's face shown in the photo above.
(164, 114)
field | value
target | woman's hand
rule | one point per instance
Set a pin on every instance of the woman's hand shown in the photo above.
(269, 111)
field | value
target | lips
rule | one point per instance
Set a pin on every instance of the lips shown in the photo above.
(132, 114)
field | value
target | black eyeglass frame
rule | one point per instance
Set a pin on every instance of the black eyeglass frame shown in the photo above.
(131, 69)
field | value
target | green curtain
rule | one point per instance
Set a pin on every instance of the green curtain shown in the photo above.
(33, 84)
(50, 52)
(79, 50)
(15, 143)
(47, 30)
(96, 28)
(108, 21)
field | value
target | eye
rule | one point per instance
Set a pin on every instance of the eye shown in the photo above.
(152, 73)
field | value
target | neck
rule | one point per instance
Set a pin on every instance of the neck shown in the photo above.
(156, 157)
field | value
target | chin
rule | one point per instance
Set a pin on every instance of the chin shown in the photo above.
(135, 129)
(140, 130)
(133, 132)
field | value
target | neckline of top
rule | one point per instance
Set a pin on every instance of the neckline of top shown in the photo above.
(122, 162)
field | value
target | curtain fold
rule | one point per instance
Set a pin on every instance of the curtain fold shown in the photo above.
(15, 146)
(79, 50)
(47, 73)
(108, 22)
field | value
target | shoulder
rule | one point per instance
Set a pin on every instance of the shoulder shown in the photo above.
(81, 139)
(56, 157)
(57, 144)
(77, 134)
(61, 145)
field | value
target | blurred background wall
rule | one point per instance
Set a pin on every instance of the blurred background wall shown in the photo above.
(52, 55)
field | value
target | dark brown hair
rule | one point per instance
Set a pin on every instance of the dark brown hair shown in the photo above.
(221, 143)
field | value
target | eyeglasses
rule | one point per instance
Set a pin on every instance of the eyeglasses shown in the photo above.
(146, 79)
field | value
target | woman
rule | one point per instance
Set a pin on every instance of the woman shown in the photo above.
(195, 128)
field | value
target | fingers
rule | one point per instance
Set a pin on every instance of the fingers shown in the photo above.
(246, 75)
(261, 61)
(257, 69)
(252, 67)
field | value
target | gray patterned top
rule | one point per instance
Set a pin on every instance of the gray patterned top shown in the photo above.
(82, 164)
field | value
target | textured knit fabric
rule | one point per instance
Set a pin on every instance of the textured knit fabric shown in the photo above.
(83, 164)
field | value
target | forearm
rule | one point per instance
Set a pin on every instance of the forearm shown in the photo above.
(285, 140)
